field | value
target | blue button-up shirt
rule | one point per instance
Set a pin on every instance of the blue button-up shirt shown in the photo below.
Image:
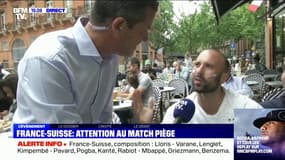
(237, 84)
(63, 79)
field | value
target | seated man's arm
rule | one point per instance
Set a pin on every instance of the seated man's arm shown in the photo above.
(142, 113)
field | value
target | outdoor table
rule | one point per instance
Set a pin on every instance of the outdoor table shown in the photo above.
(123, 105)
(251, 83)
(269, 77)
(274, 84)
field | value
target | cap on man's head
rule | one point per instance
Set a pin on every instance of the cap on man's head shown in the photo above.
(275, 115)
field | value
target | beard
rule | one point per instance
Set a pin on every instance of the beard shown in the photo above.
(208, 86)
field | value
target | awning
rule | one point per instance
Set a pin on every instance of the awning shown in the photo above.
(221, 7)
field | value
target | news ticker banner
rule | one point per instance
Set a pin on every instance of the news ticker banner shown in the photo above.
(69, 141)
(121, 131)
(73, 141)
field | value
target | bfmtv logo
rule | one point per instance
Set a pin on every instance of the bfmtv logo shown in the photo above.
(20, 13)
(181, 104)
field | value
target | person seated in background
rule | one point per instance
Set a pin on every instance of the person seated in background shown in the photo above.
(4, 105)
(258, 66)
(213, 103)
(9, 86)
(248, 64)
(120, 77)
(236, 84)
(133, 83)
(147, 69)
(168, 69)
(126, 116)
(280, 101)
(156, 68)
(3, 72)
(181, 71)
(145, 83)
(188, 61)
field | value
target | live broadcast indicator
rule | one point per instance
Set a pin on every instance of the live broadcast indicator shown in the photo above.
(21, 13)
(39, 10)
(47, 10)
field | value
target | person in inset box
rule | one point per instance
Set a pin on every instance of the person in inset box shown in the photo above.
(272, 129)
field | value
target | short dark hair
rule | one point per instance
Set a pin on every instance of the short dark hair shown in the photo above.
(134, 60)
(228, 66)
(256, 58)
(10, 81)
(104, 11)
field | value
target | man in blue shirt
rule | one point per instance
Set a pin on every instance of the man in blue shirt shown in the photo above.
(68, 76)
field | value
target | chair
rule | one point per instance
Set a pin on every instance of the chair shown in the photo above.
(158, 108)
(270, 71)
(181, 90)
(278, 77)
(181, 87)
(258, 88)
(270, 74)
(252, 71)
(158, 83)
(273, 94)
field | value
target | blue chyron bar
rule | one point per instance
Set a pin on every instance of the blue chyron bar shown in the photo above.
(123, 131)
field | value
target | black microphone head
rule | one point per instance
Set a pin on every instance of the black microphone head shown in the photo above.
(184, 111)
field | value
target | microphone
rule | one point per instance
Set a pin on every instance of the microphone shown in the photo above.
(184, 111)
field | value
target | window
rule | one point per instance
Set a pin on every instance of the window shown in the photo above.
(3, 21)
(17, 21)
(5, 46)
(88, 5)
(68, 6)
(32, 15)
(279, 43)
(49, 5)
(18, 51)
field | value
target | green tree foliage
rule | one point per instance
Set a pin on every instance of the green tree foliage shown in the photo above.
(200, 30)
(162, 27)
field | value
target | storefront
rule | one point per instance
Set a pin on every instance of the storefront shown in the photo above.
(278, 17)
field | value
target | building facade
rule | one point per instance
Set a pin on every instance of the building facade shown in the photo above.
(277, 18)
(17, 34)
